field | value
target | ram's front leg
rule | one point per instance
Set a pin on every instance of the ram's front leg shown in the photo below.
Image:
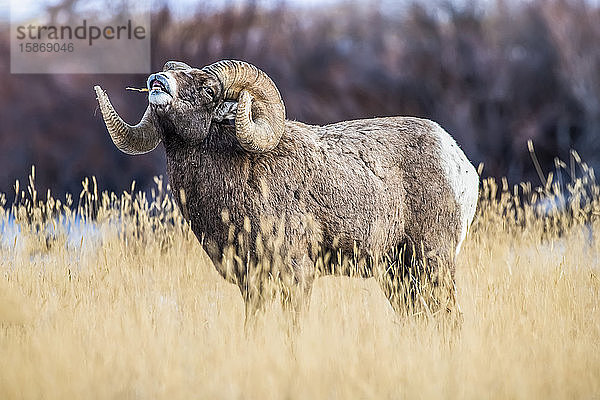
(296, 293)
(254, 302)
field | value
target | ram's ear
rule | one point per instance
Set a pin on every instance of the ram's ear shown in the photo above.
(226, 111)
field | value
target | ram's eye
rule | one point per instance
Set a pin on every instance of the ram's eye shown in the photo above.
(209, 91)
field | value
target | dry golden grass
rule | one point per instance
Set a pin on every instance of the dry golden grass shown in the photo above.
(132, 309)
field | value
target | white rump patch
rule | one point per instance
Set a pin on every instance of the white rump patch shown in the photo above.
(463, 180)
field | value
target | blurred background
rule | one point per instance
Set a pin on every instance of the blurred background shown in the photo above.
(493, 73)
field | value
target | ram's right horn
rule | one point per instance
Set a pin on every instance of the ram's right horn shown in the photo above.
(260, 115)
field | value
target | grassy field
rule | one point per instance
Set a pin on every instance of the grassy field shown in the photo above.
(128, 306)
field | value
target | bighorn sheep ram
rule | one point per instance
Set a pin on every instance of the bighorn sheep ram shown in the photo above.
(377, 187)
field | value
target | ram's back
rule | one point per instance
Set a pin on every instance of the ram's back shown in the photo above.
(382, 182)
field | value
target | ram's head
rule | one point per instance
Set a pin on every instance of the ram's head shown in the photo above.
(191, 99)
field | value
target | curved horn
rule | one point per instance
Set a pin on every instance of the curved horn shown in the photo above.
(137, 139)
(260, 116)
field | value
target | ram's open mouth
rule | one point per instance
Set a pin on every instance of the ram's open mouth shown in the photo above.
(157, 85)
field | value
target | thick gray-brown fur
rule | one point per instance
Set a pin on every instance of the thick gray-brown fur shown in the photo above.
(366, 187)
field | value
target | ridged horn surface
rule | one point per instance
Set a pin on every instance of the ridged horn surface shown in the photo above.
(260, 116)
(131, 139)
(175, 65)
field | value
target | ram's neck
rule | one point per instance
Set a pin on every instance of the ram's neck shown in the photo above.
(207, 179)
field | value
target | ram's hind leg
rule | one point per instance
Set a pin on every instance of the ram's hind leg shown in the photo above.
(440, 297)
(418, 282)
(398, 280)
(439, 291)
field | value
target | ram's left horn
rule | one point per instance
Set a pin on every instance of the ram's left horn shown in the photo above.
(131, 139)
